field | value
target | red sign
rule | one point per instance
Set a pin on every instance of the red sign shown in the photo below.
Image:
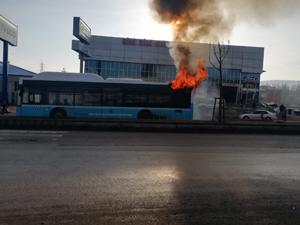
(143, 42)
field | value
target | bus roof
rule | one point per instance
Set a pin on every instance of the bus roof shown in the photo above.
(63, 76)
(85, 77)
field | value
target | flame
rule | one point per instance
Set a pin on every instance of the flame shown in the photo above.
(185, 79)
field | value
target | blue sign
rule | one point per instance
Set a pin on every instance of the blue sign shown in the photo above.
(250, 77)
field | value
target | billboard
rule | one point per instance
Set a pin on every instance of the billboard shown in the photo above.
(8, 31)
(81, 30)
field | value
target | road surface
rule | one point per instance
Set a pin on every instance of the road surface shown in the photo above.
(58, 177)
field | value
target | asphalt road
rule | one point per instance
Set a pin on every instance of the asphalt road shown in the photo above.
(49, 177)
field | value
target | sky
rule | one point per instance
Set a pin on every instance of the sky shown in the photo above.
(45, 33)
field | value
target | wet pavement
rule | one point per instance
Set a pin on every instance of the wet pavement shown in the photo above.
(58, 177)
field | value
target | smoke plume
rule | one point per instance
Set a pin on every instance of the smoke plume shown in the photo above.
(212, 20)
(203, 100)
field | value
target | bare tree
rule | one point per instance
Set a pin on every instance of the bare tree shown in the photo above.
(220, 52)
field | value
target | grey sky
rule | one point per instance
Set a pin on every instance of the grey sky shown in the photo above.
(45, 33)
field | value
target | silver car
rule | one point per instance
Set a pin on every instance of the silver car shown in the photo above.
(259, 115)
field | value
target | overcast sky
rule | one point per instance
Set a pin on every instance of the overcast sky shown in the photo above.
(45, 33)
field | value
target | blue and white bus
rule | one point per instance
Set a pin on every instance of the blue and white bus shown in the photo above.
(71, 95)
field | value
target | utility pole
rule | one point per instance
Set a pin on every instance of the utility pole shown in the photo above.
(41, 67)
(220, 52)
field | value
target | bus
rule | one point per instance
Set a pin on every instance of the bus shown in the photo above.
(75, 95)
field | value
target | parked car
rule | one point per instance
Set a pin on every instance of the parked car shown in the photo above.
(259, 115)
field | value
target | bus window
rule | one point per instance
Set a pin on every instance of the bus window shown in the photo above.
(37, 98)
(29, 97)
(112, 97)
(60, 98)
(135, 99)
(159, 100)
(88, 98)
(25, 96)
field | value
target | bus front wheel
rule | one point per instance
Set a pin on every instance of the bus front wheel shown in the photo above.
(58, 114)
(145, 115)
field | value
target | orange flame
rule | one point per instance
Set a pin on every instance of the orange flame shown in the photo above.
(185, 79)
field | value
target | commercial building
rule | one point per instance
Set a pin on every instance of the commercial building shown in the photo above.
(14, 74)
(150, 60)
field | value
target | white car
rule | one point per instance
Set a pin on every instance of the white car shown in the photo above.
(259, 115)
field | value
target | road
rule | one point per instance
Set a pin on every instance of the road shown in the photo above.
(60, 177)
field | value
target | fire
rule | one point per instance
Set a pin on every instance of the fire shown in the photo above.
(185, 79)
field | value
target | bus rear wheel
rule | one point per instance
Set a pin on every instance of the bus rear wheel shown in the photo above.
(145, 115)
(58, 114)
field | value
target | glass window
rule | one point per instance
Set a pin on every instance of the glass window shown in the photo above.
(87, 97)
(135, 99)
(112, 97)
(60, 98)
(159, 100)
(91, 66)
(25, 97)
(33, 96)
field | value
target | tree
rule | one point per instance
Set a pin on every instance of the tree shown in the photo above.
(220, 52)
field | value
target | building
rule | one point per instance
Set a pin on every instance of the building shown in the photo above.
(14, 74)
(113, 57)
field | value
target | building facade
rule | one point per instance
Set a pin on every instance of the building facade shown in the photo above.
(14, 74)
(150, 60)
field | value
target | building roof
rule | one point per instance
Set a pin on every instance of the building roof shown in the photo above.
(16, 71)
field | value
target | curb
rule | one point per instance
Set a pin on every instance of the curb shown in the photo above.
(146, 126)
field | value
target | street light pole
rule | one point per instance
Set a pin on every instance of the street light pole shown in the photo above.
(5, 78)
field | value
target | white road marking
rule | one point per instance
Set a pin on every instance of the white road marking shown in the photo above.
(31, 133)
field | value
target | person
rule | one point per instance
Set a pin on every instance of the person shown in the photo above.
(4, 110)
(282, 113)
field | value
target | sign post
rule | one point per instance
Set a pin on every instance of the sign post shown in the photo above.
(9, 35)
(4, 77)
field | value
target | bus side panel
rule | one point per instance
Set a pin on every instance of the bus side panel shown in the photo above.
(127, 112)
(83, 111)
(32, 110)
(104, 112)
(101, 112)
(173, 114)
(120, 112)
